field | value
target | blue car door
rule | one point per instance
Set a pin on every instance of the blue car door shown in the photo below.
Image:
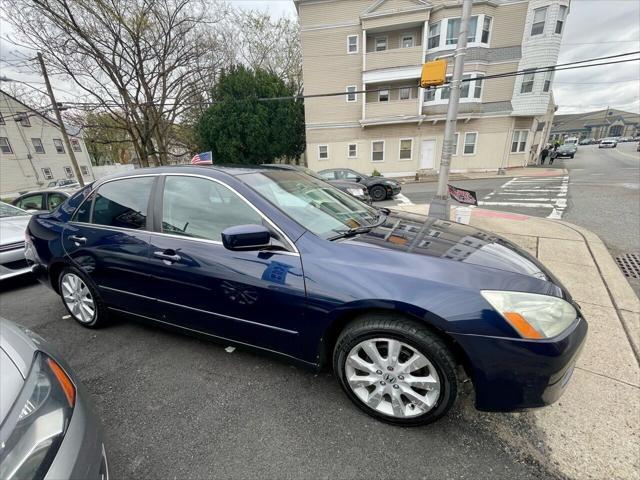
(108, 239)
(253, 297)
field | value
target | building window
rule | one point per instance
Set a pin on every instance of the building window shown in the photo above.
(352, 96)
(464, 86)
(477, 91)
(37, 145)
(352, 150)
(434, 35)
(486, 29)
(470, 139)
(84, 170)
(548, 78)
(519, 141)
(323, 152)
(406, 148)
(68, 171)
(23, 119)
(453, 30)
(456, 137)
(539, 17)
(562, 16)
(405, 93)
(59, 145)
(352, 44)
(407, 41)
(445, 91)
(429, 94)
(47, 173)
(381, 44)
(75, 144)
(383, 94)
(527, 81)
(5, 146)
(377, 151)
(1, 119)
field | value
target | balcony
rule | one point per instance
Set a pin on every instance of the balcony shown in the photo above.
(396, 57)
(391, 112)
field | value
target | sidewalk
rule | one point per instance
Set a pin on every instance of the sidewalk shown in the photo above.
(593, 431)
(532, 171)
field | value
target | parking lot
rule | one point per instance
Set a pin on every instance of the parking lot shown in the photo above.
(173, 406)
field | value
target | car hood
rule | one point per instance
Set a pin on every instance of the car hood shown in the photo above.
(12, 229)
(422, 235)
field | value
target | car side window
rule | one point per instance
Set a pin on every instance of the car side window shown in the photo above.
(201, 208)
(30, 202)
(328, 175)
(350, 175)
(120, 203)
(55, 199)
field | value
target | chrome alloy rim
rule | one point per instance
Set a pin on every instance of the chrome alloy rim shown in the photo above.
(392, 377)
(77, 298)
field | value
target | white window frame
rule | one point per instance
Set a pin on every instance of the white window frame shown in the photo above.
(372, 152)
(561, 19)
(355, 155)
(464, 144)
(482, 30)
(55, 146)
(76, 147)
(438, 100)
(477, 37)
(456, 135)
(517, 139)
(548, 80)
(386, 43)
(48, 175)
(404, 89)
(532, 72)
(429, 36)
(349, 37)
(84, 170)
(320, 158)
(407, 35)
(68, 171)
(384, 89)
(355, 95)
(35, 147)
(400, 149)
(543, 22)
(8, 145)
(479, 76)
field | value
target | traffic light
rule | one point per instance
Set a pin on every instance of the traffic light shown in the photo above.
(434, 73)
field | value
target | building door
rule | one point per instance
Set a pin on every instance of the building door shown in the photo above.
(427, 154)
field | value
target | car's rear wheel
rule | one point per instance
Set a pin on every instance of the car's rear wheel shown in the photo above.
(378, 193)
(396, 370)
(81, 299)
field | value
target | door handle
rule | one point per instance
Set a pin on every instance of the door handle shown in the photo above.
(167, 256)
(78, 240)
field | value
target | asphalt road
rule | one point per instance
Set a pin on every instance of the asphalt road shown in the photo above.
(177, 407)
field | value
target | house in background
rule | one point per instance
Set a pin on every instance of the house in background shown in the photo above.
(599, 124)
(32, 150)
(396, 127)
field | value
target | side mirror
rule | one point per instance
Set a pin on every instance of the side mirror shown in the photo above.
(246, 237)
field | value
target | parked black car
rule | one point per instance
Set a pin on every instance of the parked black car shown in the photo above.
(567, 150)
(380, 188)
(357, 190)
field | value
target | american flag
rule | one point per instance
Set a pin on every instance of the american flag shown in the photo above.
(202, 158)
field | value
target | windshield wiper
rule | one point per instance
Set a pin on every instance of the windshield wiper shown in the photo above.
(382, 217)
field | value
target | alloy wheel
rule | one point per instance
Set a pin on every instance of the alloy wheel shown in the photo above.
(392, 377)
(77, 297)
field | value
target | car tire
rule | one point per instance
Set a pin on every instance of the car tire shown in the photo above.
(378, 193)
(402, 402)
(572, 156)
(81, 298)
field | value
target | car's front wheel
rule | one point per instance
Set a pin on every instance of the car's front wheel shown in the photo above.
(81, 299)
(396, 370)
(378, 193)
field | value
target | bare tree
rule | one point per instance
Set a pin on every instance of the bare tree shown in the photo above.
(144, 62)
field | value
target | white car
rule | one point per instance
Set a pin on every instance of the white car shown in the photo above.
(13, 223)
(608, 143)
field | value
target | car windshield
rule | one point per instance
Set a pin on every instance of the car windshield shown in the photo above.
(318, 207)
(7, 210)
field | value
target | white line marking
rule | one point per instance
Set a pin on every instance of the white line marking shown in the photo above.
(519, 204)
(404, 200)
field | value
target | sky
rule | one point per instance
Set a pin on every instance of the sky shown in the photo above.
(595, 28)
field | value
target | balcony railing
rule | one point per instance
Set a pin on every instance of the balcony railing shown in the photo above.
(397, 57)
(394, 108)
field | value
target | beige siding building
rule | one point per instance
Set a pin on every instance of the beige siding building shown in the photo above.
(396, 127)
(32, 151)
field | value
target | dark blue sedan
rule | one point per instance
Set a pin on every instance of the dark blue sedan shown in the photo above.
(398, 304)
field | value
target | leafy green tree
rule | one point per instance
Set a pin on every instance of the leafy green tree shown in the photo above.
(241, 129)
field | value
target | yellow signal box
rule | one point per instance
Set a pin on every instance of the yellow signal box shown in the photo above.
(433, 73)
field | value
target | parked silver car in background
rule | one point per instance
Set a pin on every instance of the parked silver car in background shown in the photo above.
(608, 143)
(13, 223)
(48, 429)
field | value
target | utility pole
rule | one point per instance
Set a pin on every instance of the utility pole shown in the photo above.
(63, 129)
(440, 203)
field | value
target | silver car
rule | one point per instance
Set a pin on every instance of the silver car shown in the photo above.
(13, 223)
(48, 429)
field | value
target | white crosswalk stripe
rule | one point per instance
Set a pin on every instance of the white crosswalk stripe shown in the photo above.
(546, 196)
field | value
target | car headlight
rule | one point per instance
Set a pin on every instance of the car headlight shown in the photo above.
(532, 315)
(356, 192)
(34, 428)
